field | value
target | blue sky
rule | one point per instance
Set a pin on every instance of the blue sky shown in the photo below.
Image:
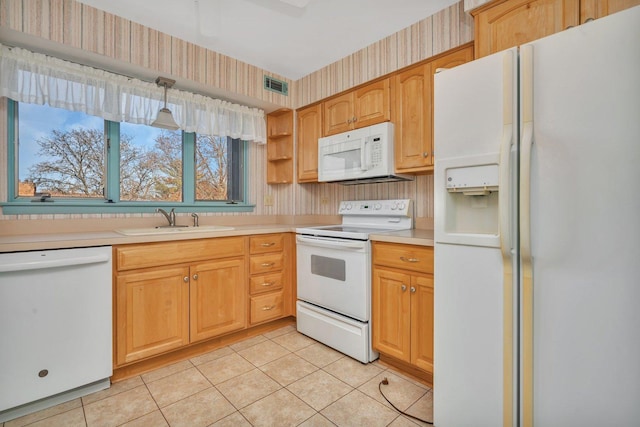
(38, 121)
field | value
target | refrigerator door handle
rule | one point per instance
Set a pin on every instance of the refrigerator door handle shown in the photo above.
(526, 88)
(504, 208)
(504, 184)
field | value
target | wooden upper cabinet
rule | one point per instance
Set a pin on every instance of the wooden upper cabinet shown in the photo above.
(514, 22)
(361, 107)
(452, 59)
(594, 9)
(412, 118)
(308, 131)
(372, 104)
(413, 111)
(338, 114)
(503, 24)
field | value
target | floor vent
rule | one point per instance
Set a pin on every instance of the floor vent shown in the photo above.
(276, 85)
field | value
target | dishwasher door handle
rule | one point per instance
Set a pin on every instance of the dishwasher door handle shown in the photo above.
(49, 261)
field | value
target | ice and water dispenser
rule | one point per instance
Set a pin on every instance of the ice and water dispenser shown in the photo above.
(467, 200)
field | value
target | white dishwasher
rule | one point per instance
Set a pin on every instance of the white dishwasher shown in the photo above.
(55, 327)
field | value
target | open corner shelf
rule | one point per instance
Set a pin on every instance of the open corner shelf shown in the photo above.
(280, 147)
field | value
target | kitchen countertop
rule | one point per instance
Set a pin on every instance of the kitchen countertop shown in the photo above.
(408, 237)
(31, 242)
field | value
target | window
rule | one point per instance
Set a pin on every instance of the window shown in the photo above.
(150, 164)
(60, 153)
(77, 160)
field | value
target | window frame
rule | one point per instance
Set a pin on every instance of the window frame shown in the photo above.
(111, 203)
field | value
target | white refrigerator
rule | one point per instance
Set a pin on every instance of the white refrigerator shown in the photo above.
(537, 232)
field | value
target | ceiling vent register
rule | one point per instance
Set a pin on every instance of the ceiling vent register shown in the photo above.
(276, 85)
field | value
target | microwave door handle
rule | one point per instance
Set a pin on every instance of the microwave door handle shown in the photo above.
(364, 164)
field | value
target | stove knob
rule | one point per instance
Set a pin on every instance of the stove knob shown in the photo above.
(394, 206)
(401, 206)
(377, 206)
(348, 206)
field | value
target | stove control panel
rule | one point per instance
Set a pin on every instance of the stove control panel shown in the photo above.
(393, 207)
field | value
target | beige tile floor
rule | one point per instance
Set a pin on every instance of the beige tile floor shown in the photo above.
(280, 378)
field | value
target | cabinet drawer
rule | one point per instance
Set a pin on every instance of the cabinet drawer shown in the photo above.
(266, 283)
(266, 263)
(406, 257)
(267, 307)
(130, 257)
(266, 243)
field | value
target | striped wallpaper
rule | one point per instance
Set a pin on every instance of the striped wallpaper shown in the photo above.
(73, 24)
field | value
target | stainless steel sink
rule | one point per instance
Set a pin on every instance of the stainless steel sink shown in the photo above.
(172, 230)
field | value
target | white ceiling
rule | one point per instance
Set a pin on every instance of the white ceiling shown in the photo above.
(277, 35)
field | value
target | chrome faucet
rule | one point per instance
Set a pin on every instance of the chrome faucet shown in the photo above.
(171, 216)
(195, 219)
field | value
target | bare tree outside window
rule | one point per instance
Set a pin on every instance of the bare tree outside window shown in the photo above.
(74, 165)
(150, 165)
(212, 168)
(63, 153)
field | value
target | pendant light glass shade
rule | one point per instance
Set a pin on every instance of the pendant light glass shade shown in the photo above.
(165, 119)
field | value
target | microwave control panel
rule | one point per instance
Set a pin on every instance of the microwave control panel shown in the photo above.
(376, 149)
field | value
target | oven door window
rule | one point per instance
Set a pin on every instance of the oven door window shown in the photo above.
(332, 268)
(335, 277)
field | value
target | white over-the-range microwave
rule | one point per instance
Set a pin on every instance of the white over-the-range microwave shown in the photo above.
(359, 156)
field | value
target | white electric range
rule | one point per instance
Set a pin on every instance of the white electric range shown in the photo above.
(334, 274)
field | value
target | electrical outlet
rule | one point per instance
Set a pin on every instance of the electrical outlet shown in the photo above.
(268, 200)
(324, 201)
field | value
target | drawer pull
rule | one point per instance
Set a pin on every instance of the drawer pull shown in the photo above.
(404, 287)
(413, 290)
(268, 307)
(405, 259)
(268, 264)
(267, 245)
(185, 279)
(268, 284)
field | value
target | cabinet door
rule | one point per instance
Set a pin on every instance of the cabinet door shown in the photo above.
(218, 298)
(372, 104)
(594, 9)
(515, 22)
(338, 114)
(412, 119)
(422, 322)
(152, 313)
(390, 314)
(309, 130)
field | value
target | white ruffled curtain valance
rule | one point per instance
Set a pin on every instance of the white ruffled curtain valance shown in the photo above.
(38, 79)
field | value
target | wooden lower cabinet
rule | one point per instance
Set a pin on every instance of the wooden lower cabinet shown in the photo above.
(217, 298)
(422, 322)
(152, 313)
(402, 304)
(162, 307)
(270, 283)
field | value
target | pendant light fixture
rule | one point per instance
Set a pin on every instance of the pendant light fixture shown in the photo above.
(165, 118)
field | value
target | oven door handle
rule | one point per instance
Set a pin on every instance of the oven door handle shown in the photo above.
(330, 243)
